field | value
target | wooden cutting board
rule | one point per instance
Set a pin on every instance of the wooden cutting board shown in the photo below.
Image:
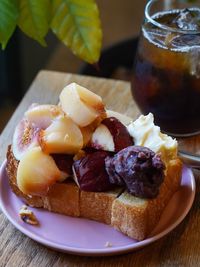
(180, 248)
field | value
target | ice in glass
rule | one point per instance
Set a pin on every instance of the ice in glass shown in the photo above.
(167, 70)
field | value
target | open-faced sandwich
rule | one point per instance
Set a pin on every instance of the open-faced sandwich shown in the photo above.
(78, 159)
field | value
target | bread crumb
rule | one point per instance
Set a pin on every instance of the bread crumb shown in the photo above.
(108, 244)
(28, 216)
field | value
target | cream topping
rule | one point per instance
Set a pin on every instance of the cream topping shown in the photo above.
(146, 133)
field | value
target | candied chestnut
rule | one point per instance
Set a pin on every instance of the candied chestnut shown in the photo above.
(90, 173)
(111, 135)
(64, 162)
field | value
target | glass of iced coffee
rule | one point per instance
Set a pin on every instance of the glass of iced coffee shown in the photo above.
(167, 67)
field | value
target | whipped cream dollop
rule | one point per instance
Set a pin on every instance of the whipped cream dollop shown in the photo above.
(146, 133)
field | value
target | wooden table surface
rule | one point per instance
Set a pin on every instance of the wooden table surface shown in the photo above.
(179, 248)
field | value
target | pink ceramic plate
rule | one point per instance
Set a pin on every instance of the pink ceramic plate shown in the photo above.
(85, 237)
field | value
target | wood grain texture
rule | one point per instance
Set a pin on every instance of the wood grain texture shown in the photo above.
(180, 248)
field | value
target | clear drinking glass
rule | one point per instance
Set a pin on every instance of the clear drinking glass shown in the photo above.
(167, 66)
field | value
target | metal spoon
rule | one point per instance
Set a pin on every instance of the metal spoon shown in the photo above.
(190, 159)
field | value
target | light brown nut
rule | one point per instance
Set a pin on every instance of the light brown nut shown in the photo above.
(28, 216)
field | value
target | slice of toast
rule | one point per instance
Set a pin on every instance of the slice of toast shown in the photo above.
(98, 206)
(66, 198)
(132, 216)
(63, 198)
(137, 217)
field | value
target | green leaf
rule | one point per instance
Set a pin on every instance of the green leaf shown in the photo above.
(34, 18)
(76, 23)
(8, 20)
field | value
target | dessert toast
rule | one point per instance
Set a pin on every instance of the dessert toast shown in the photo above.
(132, 215)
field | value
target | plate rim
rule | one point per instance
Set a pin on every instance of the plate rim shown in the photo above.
(108, 251)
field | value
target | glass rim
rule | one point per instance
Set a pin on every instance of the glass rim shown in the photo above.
(162, 26)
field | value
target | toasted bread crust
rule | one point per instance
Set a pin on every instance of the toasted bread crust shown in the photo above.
(63, 198)
(58, 195)
(132, 216)
(66, 198)
(98, 206)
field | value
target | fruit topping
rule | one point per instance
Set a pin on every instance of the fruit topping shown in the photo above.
(124, 119)
(79, 155)
(36, 172)
(102, 139)
(78, 137)
(139, 168)
(111, 135)
(81, 105)
(64, 163)
(26, 136)
(62, 137)
(146, 133)
(90, 173)
(87, 134)
(42, 115)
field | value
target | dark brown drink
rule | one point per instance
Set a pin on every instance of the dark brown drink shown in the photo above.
(167, 71)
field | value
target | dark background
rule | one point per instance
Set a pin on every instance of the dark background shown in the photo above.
(19, 63)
